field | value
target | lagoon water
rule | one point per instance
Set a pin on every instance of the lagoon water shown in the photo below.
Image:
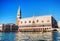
(30, 36)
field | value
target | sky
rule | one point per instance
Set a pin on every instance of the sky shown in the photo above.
(29, 8)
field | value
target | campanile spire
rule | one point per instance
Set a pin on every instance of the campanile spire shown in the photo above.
(19, 13)
(18, 16)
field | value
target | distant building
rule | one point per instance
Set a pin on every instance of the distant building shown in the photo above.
(0, 27)
(39, 23)
(10, 27)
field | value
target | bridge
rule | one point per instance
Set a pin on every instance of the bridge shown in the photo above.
(57, 29)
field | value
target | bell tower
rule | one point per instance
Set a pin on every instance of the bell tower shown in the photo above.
(18, 16)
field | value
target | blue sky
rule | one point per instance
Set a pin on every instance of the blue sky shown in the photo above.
(29, 8)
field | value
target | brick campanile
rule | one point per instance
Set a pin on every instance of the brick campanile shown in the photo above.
(18, 16)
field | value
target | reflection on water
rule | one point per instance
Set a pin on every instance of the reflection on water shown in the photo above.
(38, 36)
(30, 36)
(55, 36)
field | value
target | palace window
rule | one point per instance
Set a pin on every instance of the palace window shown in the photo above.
(33, 21)
(37, 20)
(42, 21)
(25, 22)
(48, 21)
(29, 21)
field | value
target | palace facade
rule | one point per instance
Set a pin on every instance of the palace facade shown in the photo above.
(36, 23)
